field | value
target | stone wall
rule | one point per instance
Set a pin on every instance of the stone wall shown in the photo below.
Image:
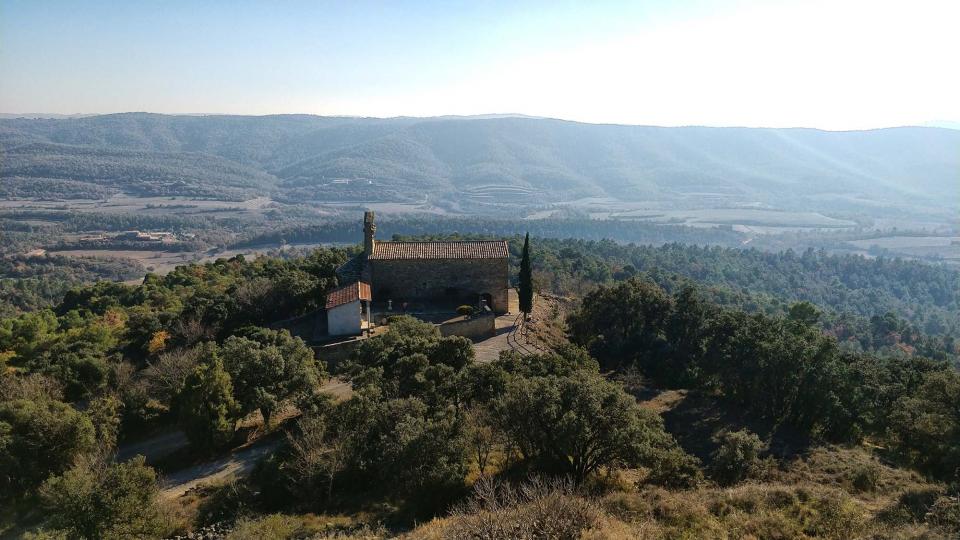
(449, 280)
(335, 353)
(475, 328)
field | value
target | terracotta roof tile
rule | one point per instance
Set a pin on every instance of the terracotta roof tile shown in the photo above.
(348, 293)
(484, 249)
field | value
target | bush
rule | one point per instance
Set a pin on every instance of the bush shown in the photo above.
(227, 502)
(95, 499)
(836, 515)
(674, 468)
(37, 439)
(866, 477)
(537, 509)
(465, 310)
(944, 515)
(737, 457)
(912, 506)
(272, 527)
(316, 459)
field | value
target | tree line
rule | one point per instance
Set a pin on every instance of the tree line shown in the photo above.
(783, 370)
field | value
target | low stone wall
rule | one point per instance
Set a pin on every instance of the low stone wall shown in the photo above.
(335, 353)
(475, 328)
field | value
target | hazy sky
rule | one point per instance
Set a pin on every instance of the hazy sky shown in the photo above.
(830, 64)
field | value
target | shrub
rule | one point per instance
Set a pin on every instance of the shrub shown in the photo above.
(32, 387)
(912, 506)
(95, 499)
(835, 515)
(272, 527)
(674, 468)
(737, 457)
(944, 515)
(465, 310)
(537, 509)
(37, 439)
(866, 477)
(227, 502)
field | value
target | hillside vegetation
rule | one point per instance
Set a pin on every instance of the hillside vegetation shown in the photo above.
(661, 414)
(476, 162)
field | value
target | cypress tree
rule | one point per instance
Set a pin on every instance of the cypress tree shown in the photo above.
(526, 279)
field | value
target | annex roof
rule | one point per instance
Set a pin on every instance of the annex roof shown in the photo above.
(481, 249)
(348, 293)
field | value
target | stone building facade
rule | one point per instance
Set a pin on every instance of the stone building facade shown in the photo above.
(449, 273)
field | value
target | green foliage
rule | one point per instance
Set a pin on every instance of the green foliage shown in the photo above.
(737, 457)
(465, 310)
(34, 283)
(104, 413)
(669, 466)
(925, 425)
(37, 439)
(403, 447)
(804, 313)
(622, 323)
(575, 425)
(526, 278)
(95, 499)
(868, 303)
(782, 370)
(206, 407)
(411, 359)
(944, 515)
(267, 368)
(866, 478)
(139, 342)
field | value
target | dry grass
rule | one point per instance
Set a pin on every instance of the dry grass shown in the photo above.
(535, 510)
(814, 496)
(284, 526)
(547, 326)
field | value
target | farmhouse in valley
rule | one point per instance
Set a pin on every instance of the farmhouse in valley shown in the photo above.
(438, 274)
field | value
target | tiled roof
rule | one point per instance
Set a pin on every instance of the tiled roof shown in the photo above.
(348, 293)
(493, 249)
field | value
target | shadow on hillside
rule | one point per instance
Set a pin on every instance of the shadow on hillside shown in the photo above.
(696, 421)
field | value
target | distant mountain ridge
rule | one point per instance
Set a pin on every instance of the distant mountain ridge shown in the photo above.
(477, 161)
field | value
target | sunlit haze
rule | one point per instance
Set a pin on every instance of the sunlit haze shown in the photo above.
(825, 64)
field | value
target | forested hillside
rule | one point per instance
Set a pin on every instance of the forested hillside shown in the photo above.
(477, 161)
(667, 414)
(848, 286)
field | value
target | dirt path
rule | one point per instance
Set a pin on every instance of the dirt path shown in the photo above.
(488, 350)
(238, 463)
(242, 460)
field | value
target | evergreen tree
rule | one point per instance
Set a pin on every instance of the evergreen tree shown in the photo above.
(208, 410)
(526, 279)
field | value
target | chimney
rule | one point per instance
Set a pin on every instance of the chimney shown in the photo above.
(369, 231)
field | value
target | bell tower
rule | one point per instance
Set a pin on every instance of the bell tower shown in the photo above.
(369, 232)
